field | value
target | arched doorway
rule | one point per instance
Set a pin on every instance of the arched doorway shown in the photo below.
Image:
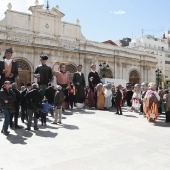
(71, 69)
(105, 73)
(134, 77)
(24, 71)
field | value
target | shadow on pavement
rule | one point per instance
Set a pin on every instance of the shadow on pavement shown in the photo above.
(130, 116)
(16, 139)
(70, 127)
(162, 124)
(24, 133)
(67, 112)
(82, 111)
(46, 134)
(48, 126)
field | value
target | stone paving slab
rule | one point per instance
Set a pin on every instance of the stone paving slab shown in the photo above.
(89, 140)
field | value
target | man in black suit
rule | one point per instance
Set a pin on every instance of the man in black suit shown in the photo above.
(79, 83)
(8, 67)
(43, 73)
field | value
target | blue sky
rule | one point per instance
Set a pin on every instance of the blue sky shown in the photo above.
(111, 19)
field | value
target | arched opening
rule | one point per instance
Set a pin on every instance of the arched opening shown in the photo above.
(71, 69)
(134, 77)
(24, 71)
(105, 73)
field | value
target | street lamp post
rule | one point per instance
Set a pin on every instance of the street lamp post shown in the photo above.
(158, 73)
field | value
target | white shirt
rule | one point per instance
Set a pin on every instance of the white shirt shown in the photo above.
(93, 71)
(8, 62)
(79, 73)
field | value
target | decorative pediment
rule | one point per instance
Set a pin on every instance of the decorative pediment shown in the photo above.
(55, 11)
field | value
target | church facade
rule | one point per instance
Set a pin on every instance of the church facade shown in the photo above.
(43, 31)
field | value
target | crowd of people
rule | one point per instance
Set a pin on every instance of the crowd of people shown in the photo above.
(37, 100)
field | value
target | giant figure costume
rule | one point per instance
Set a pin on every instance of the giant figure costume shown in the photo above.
(93, 79)
(43, 73)
(79, 83)
(8, 68)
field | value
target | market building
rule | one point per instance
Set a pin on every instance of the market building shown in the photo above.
(42, 30)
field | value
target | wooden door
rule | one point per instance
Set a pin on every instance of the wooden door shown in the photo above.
(23, 77)
(133, 80)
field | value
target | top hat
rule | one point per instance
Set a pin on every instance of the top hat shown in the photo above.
(9, 50)
(43, 57)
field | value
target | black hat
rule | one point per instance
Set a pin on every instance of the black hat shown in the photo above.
(43, 57)
(9, 50)
(28, 84)
(79, 65)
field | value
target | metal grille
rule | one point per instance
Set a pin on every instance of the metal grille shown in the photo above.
(134, 73)
(71, 68)
(23, 65)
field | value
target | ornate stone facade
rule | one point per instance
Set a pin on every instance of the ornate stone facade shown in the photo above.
(43, 31)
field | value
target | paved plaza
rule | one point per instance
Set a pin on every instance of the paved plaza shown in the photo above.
(89, 140)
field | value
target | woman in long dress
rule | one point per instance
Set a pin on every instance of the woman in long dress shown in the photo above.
(100, 96)
(151, 103)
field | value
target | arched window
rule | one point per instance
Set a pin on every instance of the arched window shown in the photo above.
(71, 68)
(106, 73)
(23, 65)
(134, 74)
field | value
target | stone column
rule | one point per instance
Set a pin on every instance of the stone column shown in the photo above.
(124, 65)
(117, 70)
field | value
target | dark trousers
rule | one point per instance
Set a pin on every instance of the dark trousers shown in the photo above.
(118, 106)
(24, 114)
(141, 107)
(15, 116)
(7, 114)
(129, 103)
(43, 117)
(113, 102)
(160, 108)
(30, 115)
(71, 100)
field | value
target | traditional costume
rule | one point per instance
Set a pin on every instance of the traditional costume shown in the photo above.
(93, 79)
(100, 96)
(62, 79)
(151, 103)
(136, 98)
(10, 67)
(107, 96)
(45, 74)
(79, 83)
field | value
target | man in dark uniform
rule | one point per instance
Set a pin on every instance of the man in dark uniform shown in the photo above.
(79, 83)
(43, 73)
(8, 67)
(93, 79)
